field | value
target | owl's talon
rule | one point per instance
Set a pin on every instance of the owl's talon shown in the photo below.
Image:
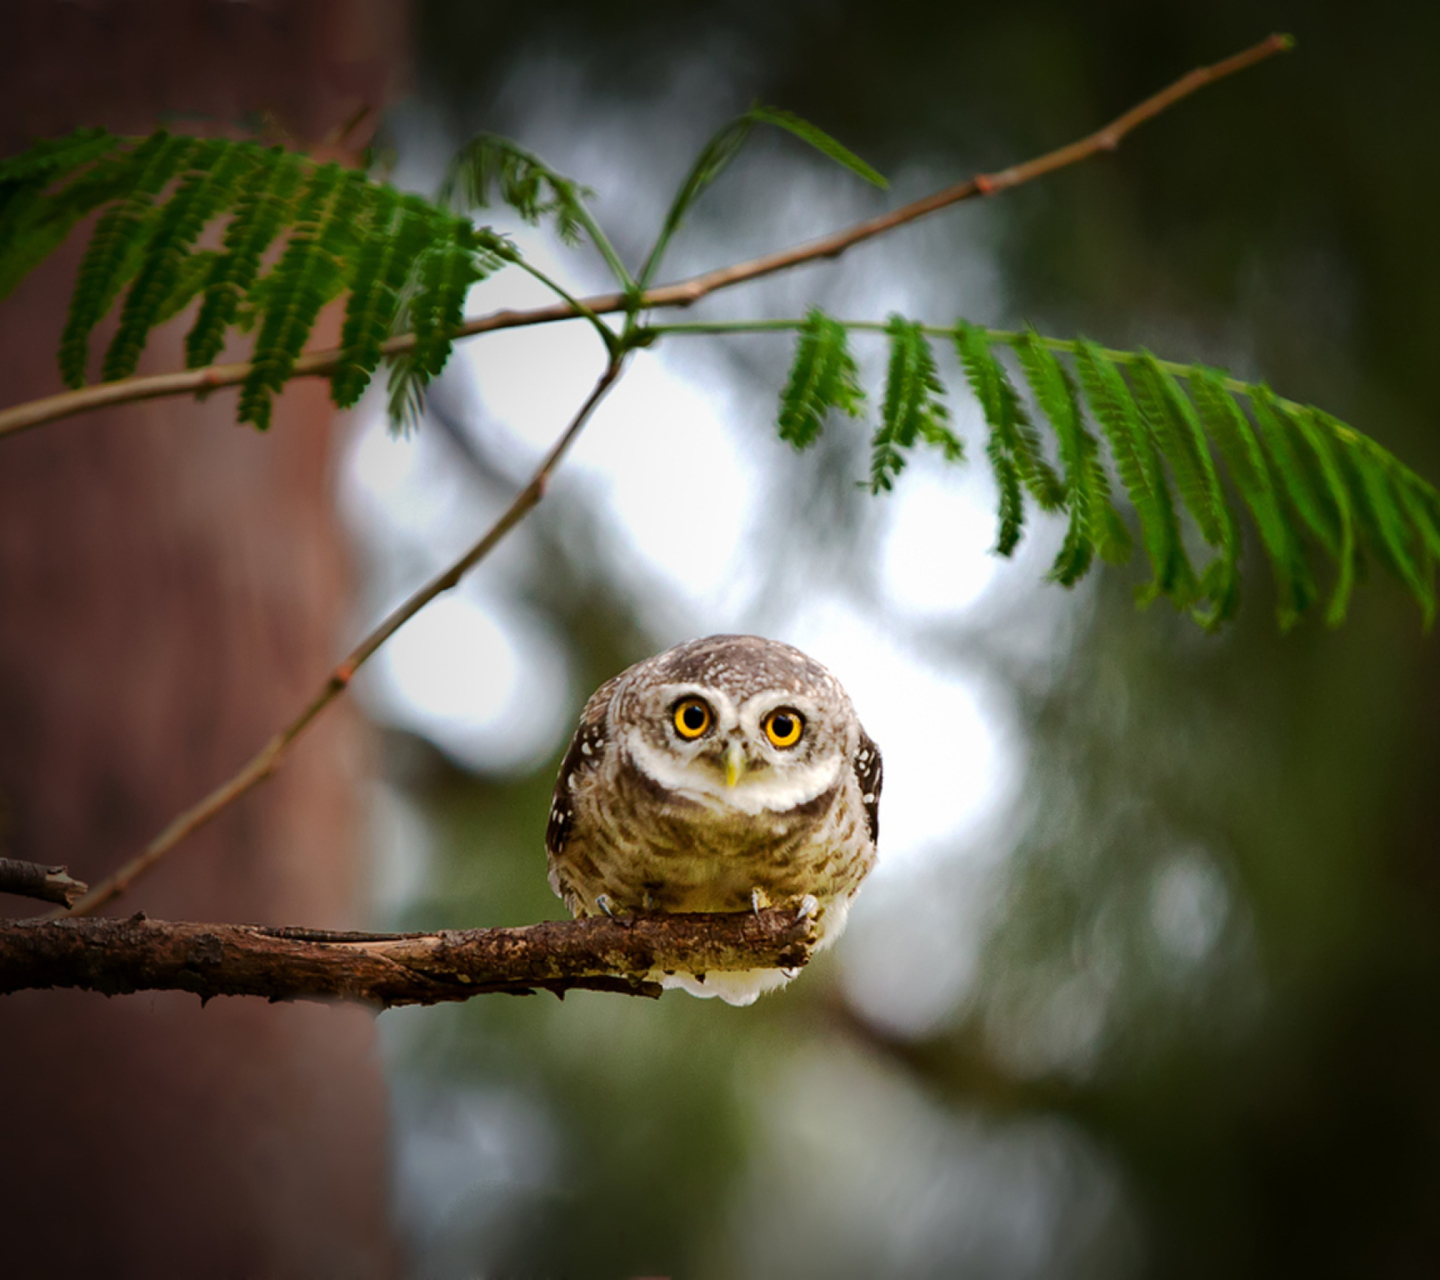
(602, 900)
(759, 900)
(809, 908)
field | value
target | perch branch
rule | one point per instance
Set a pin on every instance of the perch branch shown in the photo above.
(32, 880)
(387, 969)
(267, 759)
(681, 294)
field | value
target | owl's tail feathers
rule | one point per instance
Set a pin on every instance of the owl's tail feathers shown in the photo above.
(738, 987)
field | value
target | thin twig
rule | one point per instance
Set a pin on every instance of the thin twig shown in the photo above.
(264, 763)
(32, 880)
(120, 956)
(681, 294)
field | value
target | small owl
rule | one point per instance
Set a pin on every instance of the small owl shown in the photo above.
(724, 774)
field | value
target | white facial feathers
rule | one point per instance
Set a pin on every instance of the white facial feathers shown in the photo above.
(776, 779)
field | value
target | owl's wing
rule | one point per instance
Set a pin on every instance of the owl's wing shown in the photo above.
(870, 773)
(586, 749)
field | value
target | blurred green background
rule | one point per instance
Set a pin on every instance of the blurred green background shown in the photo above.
(1192, 1026)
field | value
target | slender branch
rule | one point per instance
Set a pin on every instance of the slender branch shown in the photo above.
(32, 880)
(388, 969)
(265, 761)
(681, 294)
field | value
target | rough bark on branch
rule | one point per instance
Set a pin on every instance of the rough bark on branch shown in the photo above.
(35, 880)
(386, 969)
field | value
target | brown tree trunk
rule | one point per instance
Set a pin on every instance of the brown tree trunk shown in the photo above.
(171, 588)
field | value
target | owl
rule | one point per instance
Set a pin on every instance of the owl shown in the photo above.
(725, 774)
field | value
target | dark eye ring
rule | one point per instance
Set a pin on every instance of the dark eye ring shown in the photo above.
(691, 717)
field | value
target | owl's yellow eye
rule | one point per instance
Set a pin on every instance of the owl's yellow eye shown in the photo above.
(692, 717)
(783, 727)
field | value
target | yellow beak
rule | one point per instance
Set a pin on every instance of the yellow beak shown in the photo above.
(734, 763)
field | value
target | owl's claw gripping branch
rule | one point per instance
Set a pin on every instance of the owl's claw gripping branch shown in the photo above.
(387, 969)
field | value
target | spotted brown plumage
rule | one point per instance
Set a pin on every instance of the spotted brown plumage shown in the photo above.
(663, 805)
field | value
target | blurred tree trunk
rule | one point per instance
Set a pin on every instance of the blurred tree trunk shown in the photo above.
(171, 588)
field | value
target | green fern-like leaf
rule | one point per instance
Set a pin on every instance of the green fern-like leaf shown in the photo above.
(1095, 525)
(912, 409)
(1319, 434)
(116, 247)
(457, 256)
(1300, 476)
(401, 229)
(1180, 436)
(1010, 428)
(1233, 435)
(823, 376)
(32, 223)
(490, 167)
(1138, 462)
(307, 276)
(1383, 523)
(53, 158)
(216, 169)
(264, 209)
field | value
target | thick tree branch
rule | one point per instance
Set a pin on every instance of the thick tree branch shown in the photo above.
(32, 880)
(681, 294)
(387, 969)
(267, 759)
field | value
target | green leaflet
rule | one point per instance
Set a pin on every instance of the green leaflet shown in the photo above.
(912, 409)
(1319, 435)
(216, 168)
(1014, 448)
(116, 247)
(489, 166)
(1301, 478)
(1180, 437)
(1233, 435)
(820, 140)
(456, 257)
(715, 157)
(307, 276)
(1138, 462)
(263, 210)
(1094, 525)
(822, 377)
(401, 229)
(32, 223)
(1382, 520)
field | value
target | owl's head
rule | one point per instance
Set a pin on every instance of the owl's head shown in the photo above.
(736, 722)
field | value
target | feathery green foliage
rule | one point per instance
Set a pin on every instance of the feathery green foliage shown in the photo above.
(1188, 445)
(1014, 449)
(1094, 526)
(1302, 475)
(326, 230)
(912, 409)
(823, 376)
(433, 311)
(116, 248)
(488, 167)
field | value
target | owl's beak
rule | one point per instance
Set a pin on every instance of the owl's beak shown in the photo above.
(735, 763)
